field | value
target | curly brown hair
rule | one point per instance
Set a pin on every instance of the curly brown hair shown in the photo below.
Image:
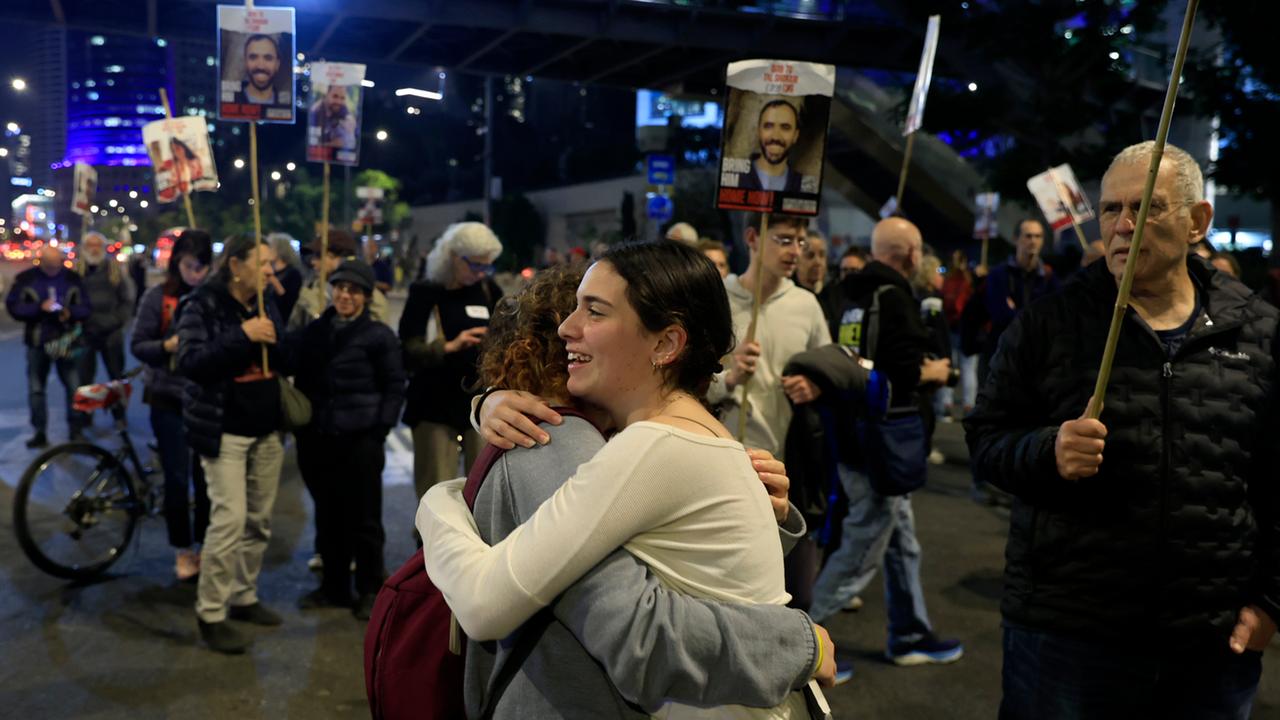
(522, 349)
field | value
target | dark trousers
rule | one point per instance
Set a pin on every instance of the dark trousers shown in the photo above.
(1054, 677)
(38, 365)
(182, 472)
(344, 475)
(111, 348)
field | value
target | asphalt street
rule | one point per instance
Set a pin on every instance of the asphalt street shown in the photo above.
(126, 646)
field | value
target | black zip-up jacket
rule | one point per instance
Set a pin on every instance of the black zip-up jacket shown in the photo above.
(1181, 526)
(904, 340)
(212, 351)
(353, 375)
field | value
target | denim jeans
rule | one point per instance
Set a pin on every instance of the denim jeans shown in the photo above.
(878, 530)
(182, 472)
(1054, 677)
(38, 365)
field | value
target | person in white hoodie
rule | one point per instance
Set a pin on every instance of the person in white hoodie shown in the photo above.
(790, 321)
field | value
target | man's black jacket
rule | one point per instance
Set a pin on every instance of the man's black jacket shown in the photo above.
(1181, 527)
(903, 340)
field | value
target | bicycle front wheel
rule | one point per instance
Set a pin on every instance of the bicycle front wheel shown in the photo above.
(75, 510)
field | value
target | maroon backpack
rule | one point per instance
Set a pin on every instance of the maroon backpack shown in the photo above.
(414, 652)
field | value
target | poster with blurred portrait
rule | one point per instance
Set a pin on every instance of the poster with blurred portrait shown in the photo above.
(180, 156)
(775, 136)
(1060, 197)
(333, 115)
(986, 207)
(86, 180)
(255, 63)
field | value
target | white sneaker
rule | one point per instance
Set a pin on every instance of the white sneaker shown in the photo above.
(936, 457)
(855, 604)
(315, 564)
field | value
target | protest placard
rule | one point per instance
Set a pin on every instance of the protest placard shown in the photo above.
(334, 114)
(180, 156)
(775, 136)
(255, 63)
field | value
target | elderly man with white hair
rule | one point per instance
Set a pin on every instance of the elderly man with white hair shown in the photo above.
(1143, 560)
(111, 295)
(444, 320)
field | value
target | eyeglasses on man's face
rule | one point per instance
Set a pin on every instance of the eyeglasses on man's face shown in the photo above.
(789, 241)
(1110, 211)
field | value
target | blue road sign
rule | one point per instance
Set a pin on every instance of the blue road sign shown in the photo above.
(660, 207)
(662, 169)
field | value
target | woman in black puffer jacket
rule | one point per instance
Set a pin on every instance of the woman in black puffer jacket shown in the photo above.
(155, 342)
(233, 415)
(351, 370)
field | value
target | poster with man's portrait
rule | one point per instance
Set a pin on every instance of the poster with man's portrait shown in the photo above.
(86, 181)
(333, 114)
(255, 63)
(180, 156)
(775, 136)
(986, 208)
(1060, 197)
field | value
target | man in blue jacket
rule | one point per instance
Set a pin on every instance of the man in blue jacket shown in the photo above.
(50, 299)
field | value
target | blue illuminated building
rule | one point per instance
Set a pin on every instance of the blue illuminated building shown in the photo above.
(113, 88)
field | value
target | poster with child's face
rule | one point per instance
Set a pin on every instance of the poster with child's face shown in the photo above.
(180, 156)
(775, 136)
(255, 63)
(333, 117)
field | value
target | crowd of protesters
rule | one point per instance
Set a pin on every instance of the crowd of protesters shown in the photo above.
(621, 386)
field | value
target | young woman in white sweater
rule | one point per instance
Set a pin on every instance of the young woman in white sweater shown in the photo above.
(672, 486)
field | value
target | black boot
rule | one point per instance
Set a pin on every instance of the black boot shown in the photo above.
(38, 440)
(221, 637)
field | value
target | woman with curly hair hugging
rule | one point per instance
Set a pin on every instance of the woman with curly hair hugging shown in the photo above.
(658, 561)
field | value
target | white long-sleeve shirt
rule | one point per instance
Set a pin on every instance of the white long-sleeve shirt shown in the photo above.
(689, 506)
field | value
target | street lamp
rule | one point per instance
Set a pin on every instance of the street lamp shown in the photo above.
(290, 167)
(4, 152)
(13, 128)
(275, 175)
(19, 84)
(143, 204)
(381, 135)
(239, 163)
(133, 194)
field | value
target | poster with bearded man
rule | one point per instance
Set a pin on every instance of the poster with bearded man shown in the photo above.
(255, 63)
(775, 136)
(333, 120)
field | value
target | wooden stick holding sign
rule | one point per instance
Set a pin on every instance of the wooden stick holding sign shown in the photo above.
(257, 231)
(1135, 245)
(324, 227)
(906, 165)
(744, 407)
(179, 166)
(1071, 210)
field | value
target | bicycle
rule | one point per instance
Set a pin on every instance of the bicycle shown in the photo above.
(78, 503)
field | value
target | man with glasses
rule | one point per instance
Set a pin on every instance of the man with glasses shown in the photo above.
(790, 321)
(878, 529)
(1143, 559)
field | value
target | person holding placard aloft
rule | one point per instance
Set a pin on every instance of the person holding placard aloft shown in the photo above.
(1143, 560)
